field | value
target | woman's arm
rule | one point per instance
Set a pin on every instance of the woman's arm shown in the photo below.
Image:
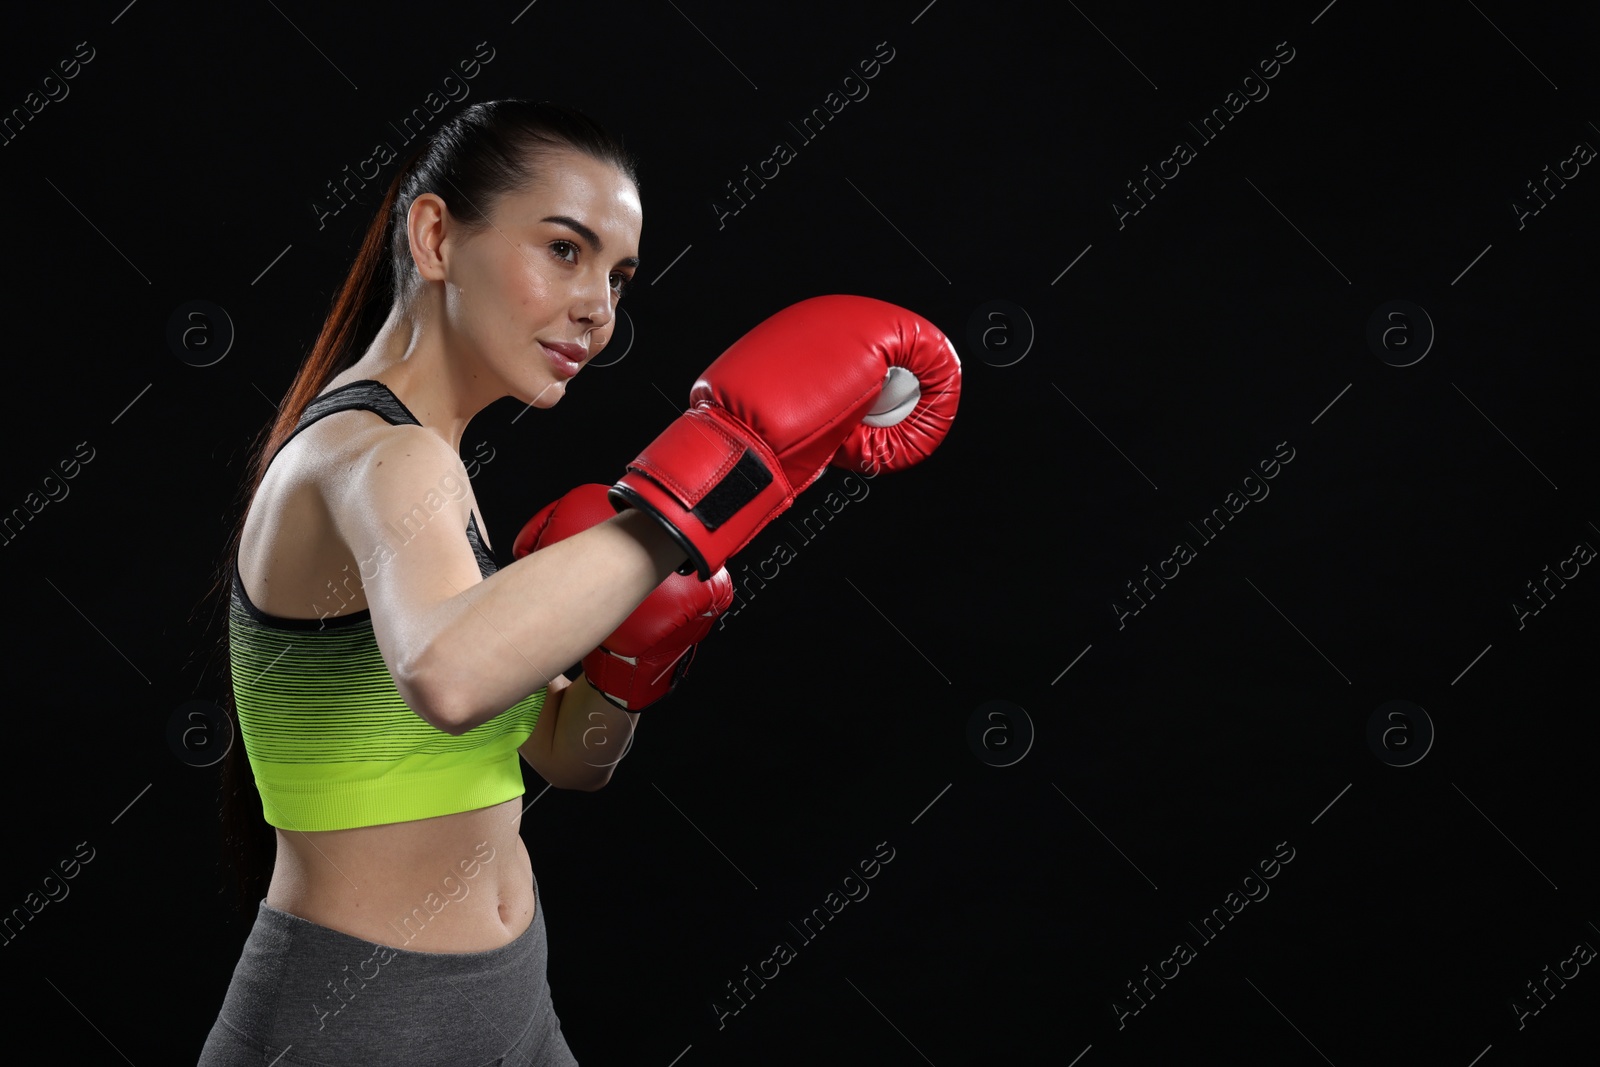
(463, 648)
(583, 738)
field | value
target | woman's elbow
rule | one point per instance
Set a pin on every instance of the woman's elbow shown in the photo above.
(595, 780)
(435, 701)
(441, 715)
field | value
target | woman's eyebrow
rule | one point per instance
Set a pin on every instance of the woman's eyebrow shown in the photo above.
(588, 235)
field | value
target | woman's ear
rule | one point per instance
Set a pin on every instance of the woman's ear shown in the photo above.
(428, 224)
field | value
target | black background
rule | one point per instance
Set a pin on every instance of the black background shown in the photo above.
(832, 713)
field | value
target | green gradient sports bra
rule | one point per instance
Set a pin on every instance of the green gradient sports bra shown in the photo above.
(331, 743)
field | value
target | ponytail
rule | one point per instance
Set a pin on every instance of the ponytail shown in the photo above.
(335, 348)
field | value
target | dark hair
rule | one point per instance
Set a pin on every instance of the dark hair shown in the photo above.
(490, 149)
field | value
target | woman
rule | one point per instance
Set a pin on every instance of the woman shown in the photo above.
(506, 289)
(387, 674)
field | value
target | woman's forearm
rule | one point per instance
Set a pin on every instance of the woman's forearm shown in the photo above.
(502, 638)
(592, 734)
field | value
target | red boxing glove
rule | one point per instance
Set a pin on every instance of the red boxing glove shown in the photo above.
(834, 379)
(648, 655)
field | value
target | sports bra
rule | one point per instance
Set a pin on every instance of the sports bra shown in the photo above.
(331, 743)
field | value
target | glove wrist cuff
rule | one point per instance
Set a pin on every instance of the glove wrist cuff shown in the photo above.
(709, 487)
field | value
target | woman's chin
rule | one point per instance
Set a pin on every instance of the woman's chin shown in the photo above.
(549, 395)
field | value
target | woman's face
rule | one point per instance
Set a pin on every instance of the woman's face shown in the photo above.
(548, 272)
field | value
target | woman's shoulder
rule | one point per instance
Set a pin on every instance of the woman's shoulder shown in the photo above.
(369, 470)
(340, 454)
(333, 443)
(331, 488)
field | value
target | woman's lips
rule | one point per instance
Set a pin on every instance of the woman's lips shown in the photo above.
(560, 360)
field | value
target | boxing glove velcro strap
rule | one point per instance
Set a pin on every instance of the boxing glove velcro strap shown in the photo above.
(610, 675)
(628, 684)
(711, 471)
(712, 489)
(737, 488)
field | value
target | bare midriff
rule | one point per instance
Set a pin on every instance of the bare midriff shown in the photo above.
(454, 883)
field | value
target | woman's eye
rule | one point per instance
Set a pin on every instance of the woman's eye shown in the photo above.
(620, 283)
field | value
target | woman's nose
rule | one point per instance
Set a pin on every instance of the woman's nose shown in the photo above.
(594, 302)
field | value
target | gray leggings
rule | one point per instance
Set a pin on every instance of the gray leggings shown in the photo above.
(303, 995)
